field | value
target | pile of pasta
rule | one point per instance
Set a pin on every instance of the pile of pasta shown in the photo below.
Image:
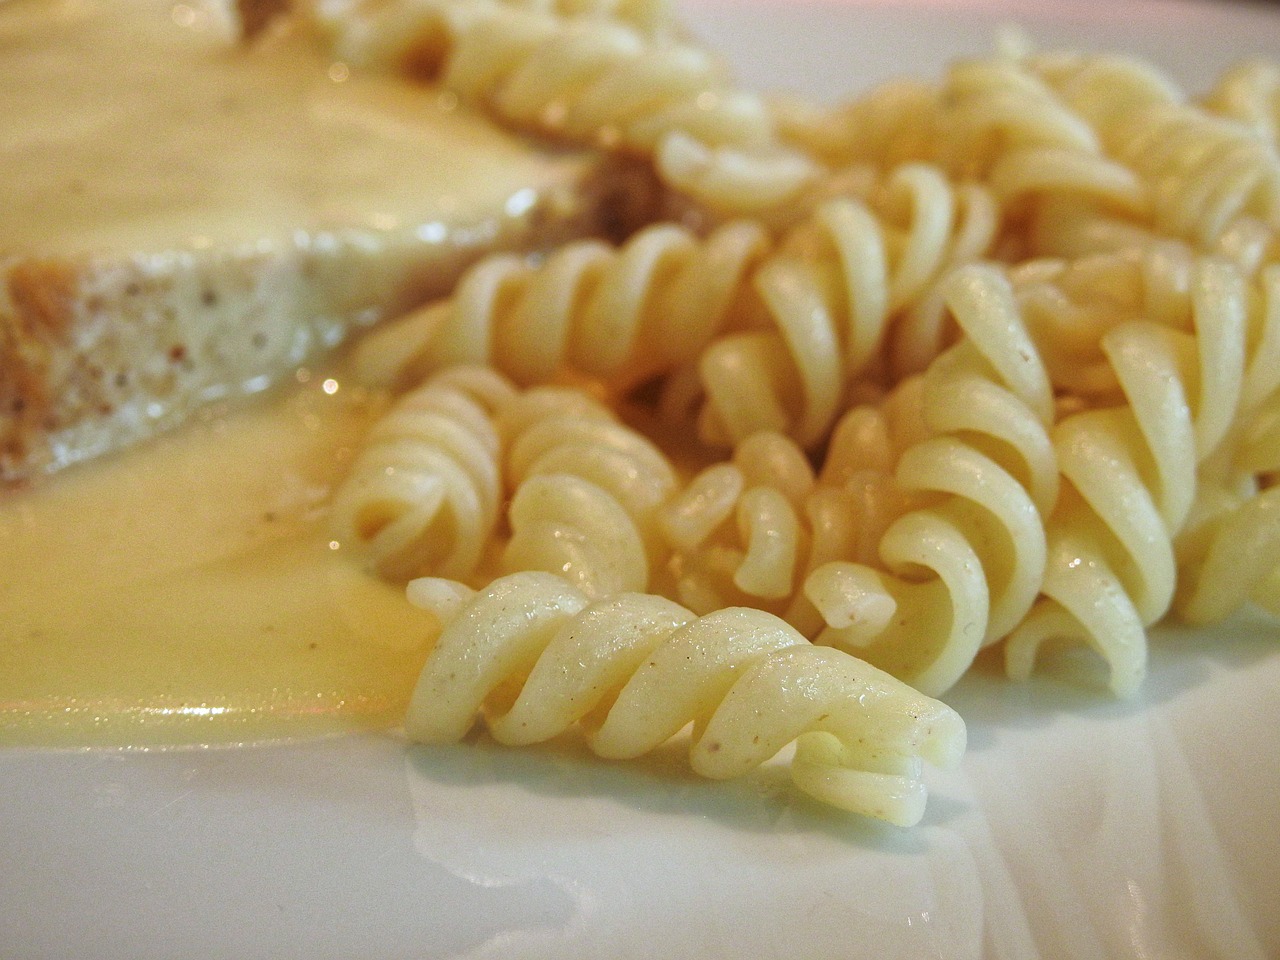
(992, 359)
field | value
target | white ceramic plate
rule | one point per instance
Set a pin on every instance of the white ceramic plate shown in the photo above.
(1077, 827)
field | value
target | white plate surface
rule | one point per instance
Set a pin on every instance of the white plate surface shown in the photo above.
(1077, 827)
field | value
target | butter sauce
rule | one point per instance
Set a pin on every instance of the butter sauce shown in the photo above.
(187, 592)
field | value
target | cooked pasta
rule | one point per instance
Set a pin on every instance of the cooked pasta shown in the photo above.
(892, 124)
(586, 493)
(1229, 553)
(963, 570)
(1110, 144)
(623, 82)
(623, 314)
(1002, 124)
(1256, 447)
(1069, 305)
(1129, 466)
(632, 670)
(1204, 171)
(832, 291)
(771, 182)
(423, 494)
(778, 337)
(997, 359)
(1250, 93)
(993, 120)
(749, 531)
(736, 530)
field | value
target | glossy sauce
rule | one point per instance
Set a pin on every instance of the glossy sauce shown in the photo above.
(141, 125)
(187, 592)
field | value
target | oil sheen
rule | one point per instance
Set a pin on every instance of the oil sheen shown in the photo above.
(188, 592)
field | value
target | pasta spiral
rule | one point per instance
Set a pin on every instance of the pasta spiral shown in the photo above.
(993, 120)
(736, 529)
(1003, 124)
(1250, 93)
(1129, 467)
(537, 657)
(892, 124)
(423, 494)
(749, 531)
(996, 359)
(832, 291)
(1229, 553)
(963, 569)
(623, 83)
(587, 490)
(410, 34)
(623, 314)
(757, 322)
(1204, 171)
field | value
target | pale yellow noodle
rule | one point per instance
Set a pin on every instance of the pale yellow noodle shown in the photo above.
(1129, 468)
(962, 569)
(537, 657)
(422, 495)
(585, 493)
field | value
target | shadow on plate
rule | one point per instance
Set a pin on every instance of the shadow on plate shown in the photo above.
(659, 786)
(1073, 681)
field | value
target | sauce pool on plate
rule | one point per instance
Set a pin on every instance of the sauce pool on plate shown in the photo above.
(188, 592)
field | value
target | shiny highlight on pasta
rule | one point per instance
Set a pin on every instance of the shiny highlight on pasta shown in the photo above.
(993, 360)
(963, 569)
(536, 657)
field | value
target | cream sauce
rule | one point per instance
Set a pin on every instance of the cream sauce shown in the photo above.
(139, 125)
(186, 592)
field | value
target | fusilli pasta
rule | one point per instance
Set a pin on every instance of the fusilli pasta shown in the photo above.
(999, 359)
(1203, 171)
(892, 124)
(626, 84)
(832, 291)
(423, 494)
(1229, 553)
(991, 468)
(1250, 93)
(1130, 466)
(751, 530)
(1004, 125)
(587, 490)
(632, 670)
(623, 314)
